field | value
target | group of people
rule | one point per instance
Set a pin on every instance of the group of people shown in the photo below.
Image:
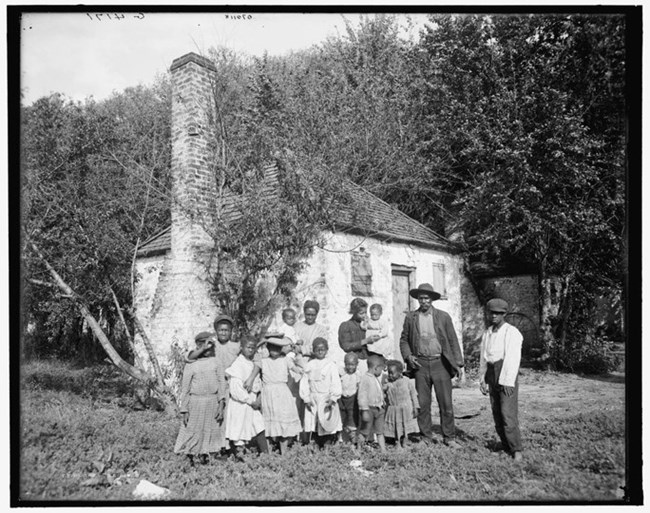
(286, 387)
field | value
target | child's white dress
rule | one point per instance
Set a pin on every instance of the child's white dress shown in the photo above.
(243, 422)
(278, 404)
(319, 383)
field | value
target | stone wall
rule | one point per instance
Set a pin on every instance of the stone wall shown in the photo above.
(162, 301)
(522, 294)
(473, 318)
(327, 279)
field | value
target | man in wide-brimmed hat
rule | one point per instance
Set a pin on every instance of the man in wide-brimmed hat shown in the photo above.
(430, 348)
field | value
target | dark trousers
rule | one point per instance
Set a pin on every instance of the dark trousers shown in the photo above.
(436, 373)
(504, 409)
(349, 408)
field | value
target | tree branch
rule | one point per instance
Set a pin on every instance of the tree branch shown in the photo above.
(149, 347)
(132, 371)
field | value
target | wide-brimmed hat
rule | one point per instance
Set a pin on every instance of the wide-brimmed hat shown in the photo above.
(497, 305)
(425, 288)
(276, 338)
(328, 417)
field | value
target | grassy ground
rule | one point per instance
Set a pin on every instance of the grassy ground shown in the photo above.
(84, 439)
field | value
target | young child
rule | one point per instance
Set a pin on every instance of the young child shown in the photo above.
(348, 404)
(281, 420)
(244, 421)
(403, 406)
(377, 326)
(320, 389)
(371, 402)
(203, 397)
(287, 327)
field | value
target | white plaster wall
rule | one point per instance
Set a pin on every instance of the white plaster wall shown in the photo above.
(328, 280)
(148, 271)
(173, 303)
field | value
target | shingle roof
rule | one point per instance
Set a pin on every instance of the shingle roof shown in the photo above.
(159, 243)
(365, 214)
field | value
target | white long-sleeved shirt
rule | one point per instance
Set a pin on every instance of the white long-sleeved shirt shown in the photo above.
(502, 344)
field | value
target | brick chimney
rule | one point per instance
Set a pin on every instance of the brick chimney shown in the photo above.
(178, 305)
(193, 184)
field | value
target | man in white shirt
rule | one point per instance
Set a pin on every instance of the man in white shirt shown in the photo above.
(499, 367)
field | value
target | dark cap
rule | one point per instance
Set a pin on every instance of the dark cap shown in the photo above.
(497, 305)
(223, 318)
(204, 335)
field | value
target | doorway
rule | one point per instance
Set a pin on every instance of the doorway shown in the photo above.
(402, 283)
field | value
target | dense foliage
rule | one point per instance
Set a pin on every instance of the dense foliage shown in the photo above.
(524, 134)
(506, 131)
(95, 182)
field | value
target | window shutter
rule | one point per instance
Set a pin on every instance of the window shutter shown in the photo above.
(439, 280)
(361, 274)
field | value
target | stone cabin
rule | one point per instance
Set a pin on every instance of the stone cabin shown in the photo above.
(379, 253)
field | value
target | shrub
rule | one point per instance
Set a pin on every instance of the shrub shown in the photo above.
(589, 355)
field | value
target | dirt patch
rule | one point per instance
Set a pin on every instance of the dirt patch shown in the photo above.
(542, 395)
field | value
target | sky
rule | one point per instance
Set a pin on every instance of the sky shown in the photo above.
(82, 54)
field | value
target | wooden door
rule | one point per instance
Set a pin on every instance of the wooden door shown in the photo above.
(401, 304)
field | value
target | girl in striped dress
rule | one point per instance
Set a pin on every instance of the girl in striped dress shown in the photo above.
(203, 398)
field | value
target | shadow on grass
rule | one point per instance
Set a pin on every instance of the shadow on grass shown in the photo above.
(95, 381)
(461, 435)
(618, 378)
(495, 446)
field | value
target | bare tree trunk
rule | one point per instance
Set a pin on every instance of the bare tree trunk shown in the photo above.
(164, 394)
(152, 355)
(547, 314)
(136, 358)
(564, 312)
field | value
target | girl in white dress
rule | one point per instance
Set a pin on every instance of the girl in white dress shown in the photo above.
(281, 420)
(244, 421)
(320, 389)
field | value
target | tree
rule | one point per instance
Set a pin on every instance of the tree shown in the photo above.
(517, 150)
(350, 100)
(95, 180)
(275, 226)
